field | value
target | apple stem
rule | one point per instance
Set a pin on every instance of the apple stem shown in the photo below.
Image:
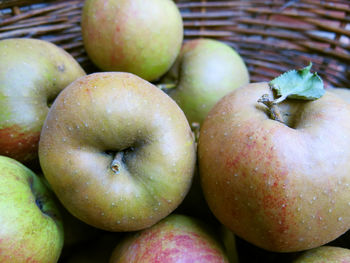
(195, 128)
(166, 86)
(271, 104)
(117, 162)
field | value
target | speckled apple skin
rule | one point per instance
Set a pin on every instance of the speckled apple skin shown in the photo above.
(281, 187)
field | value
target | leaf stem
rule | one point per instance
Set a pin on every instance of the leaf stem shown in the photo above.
(271, 104)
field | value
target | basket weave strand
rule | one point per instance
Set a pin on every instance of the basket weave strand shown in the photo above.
(271, 36)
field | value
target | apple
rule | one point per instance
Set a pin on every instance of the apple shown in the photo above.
(31, 228)
(176, 238)
(137, 36)
(117, 151)
(325, 254)
(203, 73)
(32, 73)
(283, 186)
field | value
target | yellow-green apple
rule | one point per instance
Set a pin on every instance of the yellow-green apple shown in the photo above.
(203, 73)
(32, 73)
(31, 228)
(137, 36)
(282, 184)
(118, 152)
(325, 254)
(176, 238)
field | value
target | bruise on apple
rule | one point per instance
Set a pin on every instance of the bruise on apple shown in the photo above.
(18, 145)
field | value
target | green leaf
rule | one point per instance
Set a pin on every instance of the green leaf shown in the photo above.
(298, 84)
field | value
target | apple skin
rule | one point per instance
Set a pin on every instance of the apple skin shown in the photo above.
(137, 36)
(283, 189)
(344, 93)
(105, 116)
(176, 238)
(204, 72)
(31, 228)
(325, 254)
(32, 73)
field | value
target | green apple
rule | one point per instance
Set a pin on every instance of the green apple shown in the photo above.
(32, 73)
(176, 238)
(31, 228)
(137, 36)
(118, 152)
(281, 184)
(325, 254)
(203, 73)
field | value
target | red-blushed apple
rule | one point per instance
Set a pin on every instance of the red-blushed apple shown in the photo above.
(283, 186)
(32, 73)
(325, 254)
(31, 228)
(137, 36)
(203, 73)
(117, 151)
(176, 238)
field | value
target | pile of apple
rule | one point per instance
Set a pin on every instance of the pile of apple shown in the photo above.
(167, 152)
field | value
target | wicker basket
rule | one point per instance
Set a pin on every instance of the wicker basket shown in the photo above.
(272, 36)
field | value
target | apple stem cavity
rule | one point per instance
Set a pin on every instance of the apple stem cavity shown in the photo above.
(39, 204)
(271, 104)
(294, 84)
(117, 162)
